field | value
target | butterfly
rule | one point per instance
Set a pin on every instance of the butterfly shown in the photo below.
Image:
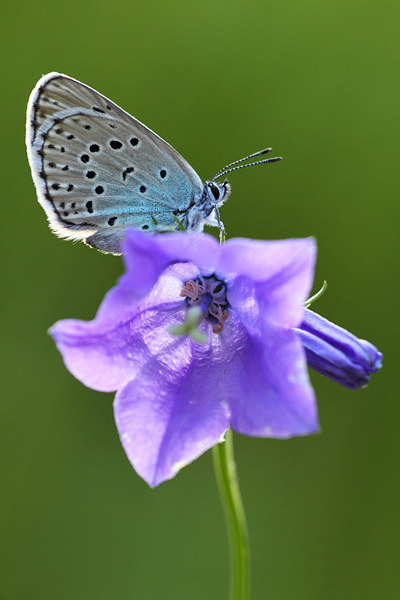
(98, 170)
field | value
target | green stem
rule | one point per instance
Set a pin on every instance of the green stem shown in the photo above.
(225, 473)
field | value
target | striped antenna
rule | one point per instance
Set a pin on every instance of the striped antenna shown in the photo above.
(231, 166)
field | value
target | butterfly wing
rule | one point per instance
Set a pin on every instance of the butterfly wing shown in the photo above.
(97, 169)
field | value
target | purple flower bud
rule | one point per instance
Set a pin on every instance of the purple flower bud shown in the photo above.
(336, 353)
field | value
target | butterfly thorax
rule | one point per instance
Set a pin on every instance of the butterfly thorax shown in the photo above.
(205, 209)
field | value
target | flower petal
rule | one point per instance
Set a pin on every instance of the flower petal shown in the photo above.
(262, 260)
(267, 383)
(146, 256)
(168, 415)
(107, 352)
(273, 295)
(101, 360)
(180, 403)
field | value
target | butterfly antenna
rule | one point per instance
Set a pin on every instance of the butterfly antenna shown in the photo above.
(231, 166)
(259, 153)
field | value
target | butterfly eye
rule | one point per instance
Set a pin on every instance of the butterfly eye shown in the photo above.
(215, 191)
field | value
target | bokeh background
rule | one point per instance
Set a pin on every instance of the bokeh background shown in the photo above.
(318, 81)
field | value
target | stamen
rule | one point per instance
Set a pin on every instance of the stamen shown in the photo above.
(191, 290)
(222, 316)
(208, 294)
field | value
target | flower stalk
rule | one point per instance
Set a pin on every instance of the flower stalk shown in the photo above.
(228, 485)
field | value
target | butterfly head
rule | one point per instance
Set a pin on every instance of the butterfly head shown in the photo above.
(217, 193)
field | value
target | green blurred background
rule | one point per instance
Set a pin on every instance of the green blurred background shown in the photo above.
(318, 81)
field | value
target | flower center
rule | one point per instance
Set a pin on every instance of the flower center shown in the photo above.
(209, 294)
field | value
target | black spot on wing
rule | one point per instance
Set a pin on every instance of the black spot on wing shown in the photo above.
(126, 172)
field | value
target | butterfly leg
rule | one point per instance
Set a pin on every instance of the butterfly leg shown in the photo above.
(216, 222)
(220, 225)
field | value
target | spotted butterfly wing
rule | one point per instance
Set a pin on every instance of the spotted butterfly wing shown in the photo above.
(98, 170)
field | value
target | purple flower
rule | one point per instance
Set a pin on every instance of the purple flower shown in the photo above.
(176, 397)
(336, 353)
